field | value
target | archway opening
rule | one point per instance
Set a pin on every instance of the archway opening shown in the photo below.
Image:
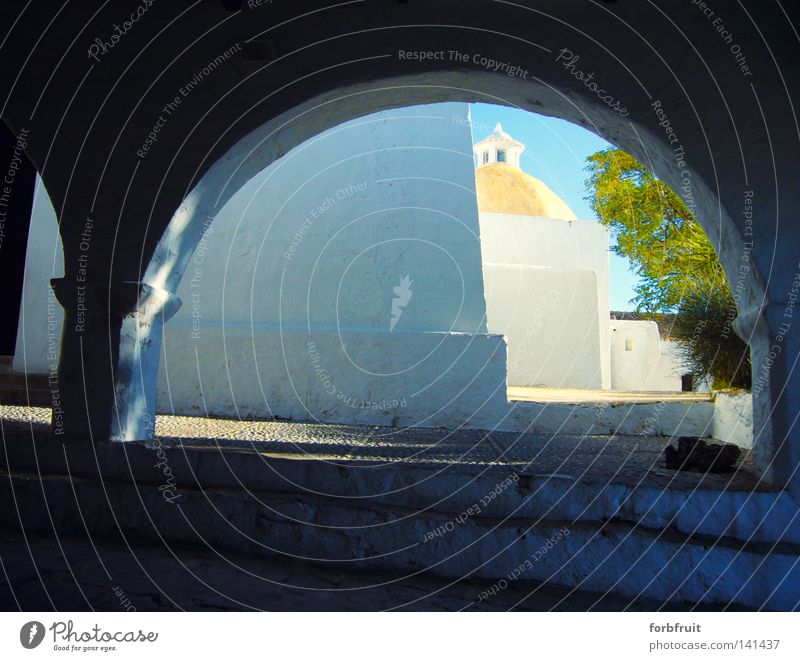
(350, 282)
(192, 224)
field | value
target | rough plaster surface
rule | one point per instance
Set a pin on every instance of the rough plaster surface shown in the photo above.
(397, 379)
(733, 418)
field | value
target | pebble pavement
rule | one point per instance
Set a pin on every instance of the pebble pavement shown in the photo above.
(631, 460)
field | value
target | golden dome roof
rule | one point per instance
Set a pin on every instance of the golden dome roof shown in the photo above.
(503, 188)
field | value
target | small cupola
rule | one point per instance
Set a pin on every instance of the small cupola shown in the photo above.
(499, 147)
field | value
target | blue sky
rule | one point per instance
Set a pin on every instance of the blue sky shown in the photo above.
(556, 153)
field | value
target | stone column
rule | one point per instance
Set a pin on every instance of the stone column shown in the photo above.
(108, 372)
(775, 347)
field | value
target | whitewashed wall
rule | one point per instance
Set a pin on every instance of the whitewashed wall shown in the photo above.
(549, 318)
(733, 418)
(567, 246)
(295, 305)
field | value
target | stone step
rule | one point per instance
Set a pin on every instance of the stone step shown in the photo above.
(26, 389)
(658, 499)
(598, 556)
(195, 578)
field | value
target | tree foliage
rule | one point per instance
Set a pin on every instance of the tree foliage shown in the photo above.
(677, 266)
(651, 226)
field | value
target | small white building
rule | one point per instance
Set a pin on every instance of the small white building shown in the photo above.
(644, 358)
(546, 276)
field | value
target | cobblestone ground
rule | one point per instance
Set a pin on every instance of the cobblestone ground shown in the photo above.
(632, 460)
(76, 575)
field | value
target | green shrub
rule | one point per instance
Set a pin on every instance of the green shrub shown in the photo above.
(704, 329)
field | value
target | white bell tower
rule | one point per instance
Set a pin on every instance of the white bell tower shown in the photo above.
(499, 147)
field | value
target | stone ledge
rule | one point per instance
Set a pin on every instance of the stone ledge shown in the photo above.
(69, 575)
(606, 557)
(760, 516)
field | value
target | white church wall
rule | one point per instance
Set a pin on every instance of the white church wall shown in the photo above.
(338, 222)
(41, 317)
(560, 244)
(550, 320)
(640, 360)
(366, 237)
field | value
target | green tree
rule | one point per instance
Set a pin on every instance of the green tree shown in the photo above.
(677, 266)
(652, 227)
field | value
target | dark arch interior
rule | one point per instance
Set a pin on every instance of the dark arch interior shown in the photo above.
(16, 203)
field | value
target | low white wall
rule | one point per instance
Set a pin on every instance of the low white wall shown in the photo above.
(733, 418)
(650, 419)
(372, 378)
(289, 375)
(364, 241)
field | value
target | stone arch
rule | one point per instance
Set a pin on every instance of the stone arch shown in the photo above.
(733, 111)
(274, 65)
(23, 193)
(260, 147)
(265, 144)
